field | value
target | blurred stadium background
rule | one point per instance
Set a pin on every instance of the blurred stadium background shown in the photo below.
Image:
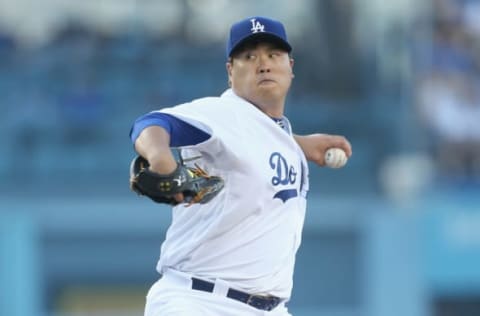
(396, 232)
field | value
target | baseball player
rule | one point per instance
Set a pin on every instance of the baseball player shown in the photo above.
(232, 253)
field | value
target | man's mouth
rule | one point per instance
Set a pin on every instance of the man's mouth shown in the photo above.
(265, 80)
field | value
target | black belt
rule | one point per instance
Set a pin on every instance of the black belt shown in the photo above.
(266, 303)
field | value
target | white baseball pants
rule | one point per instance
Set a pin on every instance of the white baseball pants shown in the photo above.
(173, 295)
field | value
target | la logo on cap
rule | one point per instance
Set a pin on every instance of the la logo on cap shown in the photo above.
(257, 26)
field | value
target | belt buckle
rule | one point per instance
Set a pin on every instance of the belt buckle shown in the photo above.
(261, 302)
(252, 301)
(249, 300)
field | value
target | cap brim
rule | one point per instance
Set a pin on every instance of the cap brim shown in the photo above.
(260, 38)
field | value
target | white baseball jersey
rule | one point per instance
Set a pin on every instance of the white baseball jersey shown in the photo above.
(247, 235)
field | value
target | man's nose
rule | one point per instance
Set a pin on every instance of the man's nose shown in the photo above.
(263, 64)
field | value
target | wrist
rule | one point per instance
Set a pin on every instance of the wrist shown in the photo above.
(163, 168)
(162, 164)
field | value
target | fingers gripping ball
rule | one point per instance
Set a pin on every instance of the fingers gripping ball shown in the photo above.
(194, 183)
(335, 158)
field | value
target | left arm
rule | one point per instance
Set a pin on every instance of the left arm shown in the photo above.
(314, 146)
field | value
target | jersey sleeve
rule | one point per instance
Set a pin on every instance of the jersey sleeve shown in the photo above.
(181, 132)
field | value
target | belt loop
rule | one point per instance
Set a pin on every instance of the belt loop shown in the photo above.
(221, 287)
(179, 278)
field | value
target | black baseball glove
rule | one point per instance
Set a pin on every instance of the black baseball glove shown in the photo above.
(195, 184)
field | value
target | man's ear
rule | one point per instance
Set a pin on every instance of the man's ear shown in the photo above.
(228, 66)
(291, 67)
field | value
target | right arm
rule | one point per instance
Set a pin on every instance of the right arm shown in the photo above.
(314, 146)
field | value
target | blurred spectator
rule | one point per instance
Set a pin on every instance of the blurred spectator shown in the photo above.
(450, 105)
(30, 116)
(449, 100)
(82, 112)
(6, 42)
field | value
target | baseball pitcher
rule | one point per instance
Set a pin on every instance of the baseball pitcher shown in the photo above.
(238, 189)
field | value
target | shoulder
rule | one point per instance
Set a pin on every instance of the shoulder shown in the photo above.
(208, 101)
(227, 97)
(218, 104)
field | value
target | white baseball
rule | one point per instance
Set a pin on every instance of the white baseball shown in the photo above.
(335, 158)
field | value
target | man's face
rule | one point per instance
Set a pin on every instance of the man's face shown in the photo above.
(261, 73)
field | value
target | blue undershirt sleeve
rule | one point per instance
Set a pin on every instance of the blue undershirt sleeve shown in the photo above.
(181, 133)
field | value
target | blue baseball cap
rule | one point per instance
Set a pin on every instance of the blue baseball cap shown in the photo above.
(258, 28)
